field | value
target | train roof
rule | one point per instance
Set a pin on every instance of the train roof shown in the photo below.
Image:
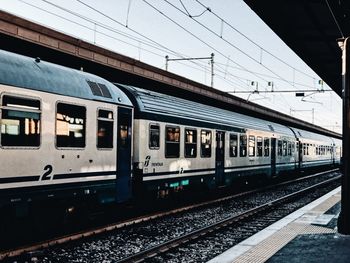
(149, 104)
(29, 73)
(302, 134)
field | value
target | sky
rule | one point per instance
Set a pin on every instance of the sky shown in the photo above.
(248, 55)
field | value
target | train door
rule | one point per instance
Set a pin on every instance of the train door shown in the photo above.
(300, 154)
(124, 133)
(220, 158)
(273, 157)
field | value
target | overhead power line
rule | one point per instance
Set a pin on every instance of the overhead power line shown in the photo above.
(222, 38)
(281, 91)
(199, 39)
(252, 41)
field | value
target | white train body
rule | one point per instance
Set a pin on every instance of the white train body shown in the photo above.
(60, 137)
(171, 136)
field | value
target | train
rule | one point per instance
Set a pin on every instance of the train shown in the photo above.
(70, 135)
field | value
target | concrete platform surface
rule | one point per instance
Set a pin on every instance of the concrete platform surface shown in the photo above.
(319, 248)
(307, 235)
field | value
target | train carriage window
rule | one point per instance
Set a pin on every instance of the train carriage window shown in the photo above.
(279, 148)
(205, 143)
(251, 148)
(243, 145)
(259, 146)
(304, 148)
(284, 148)
(172, 142)
(293, 147)
(154, 135)
(20, 122)
(105, 129)
(70, 125)
(233, 145)
(190, 143)
(266, 146)
(289, 145)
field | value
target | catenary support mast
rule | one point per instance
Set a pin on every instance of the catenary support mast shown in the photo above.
(344, 217)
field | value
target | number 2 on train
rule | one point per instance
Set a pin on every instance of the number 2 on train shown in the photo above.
(46, 176)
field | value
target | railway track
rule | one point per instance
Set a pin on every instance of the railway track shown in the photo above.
(30, 251)
(219, 226)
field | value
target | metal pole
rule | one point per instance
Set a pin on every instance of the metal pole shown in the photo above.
(344, 217)
(212, 69)
(95, 27)
(166, 62)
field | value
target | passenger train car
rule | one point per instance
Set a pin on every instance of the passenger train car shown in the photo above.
(179, 143)
(70, 135)
(64, 134)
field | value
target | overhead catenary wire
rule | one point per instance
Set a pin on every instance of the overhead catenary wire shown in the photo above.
(268, 76)
(149, 40)
(199, 39)
(189, 12)
(112, 19)
(225, 40)
(233, 61)
(92, 28)
(252, 41)
(131, 37)
(94, 22)
(235, 84)
(335, 19)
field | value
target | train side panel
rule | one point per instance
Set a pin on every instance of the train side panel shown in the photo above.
(53, 167)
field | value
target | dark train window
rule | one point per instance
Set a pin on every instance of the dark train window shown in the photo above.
(304, 148)
(289, 145)
(233, 145)
(172, 142)
(251, 145)
(243, 145)
(259, 146)
(190, 143)
(266, 146)
(70, 125)
(20, 122)
(293, 147)
(284, 148)
(105, 129)
(205, 143)
(154, 136)
(279, 148)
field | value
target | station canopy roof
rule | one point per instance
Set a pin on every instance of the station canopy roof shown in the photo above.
(311, 29)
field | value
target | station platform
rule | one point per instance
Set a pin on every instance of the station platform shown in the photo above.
(307, 235)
